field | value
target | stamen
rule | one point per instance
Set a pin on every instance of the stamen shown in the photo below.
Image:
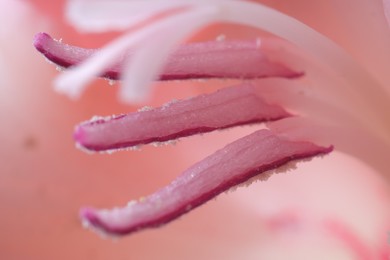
(214, 59)
(225, 108)
(234, 164)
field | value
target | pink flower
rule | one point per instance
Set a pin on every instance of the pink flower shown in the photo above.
(327, 220)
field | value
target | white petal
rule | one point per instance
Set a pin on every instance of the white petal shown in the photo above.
(105, 15)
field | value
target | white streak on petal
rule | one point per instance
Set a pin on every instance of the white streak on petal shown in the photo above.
(386, 7)
(147, 62)
(73, 81)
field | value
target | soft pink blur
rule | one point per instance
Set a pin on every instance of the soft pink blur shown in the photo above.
(331, 208)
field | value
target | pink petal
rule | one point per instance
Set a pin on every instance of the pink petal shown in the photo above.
(225, 108)
(216, 59)
(348, 237)
(234, 164)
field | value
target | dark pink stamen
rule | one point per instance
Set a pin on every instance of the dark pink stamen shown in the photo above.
(235, 164)
(227, 107)
(215, 59)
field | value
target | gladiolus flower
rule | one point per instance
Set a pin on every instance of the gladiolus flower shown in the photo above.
(323, 100)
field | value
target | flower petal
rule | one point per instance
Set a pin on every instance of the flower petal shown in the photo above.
(227, 107)
(235, 164)
(102, 15)
(105, 15)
